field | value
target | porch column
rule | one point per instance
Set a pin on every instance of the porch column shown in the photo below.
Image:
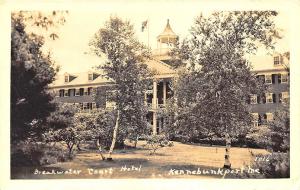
(164, 92)
(154, 106)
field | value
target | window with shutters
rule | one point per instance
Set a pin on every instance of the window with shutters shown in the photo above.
(284, 78)
(269, 97)
(268, 79)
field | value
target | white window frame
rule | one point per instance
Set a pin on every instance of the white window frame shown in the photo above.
(254, 98)
(85, 105)
(266, 79)
(284, 96)
(276, 60)
(284, 76)
(269, 96)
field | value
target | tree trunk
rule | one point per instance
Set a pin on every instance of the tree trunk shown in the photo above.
(70, 147)
(227, 163)
(100, 148)
(136, 141)
(114, 137)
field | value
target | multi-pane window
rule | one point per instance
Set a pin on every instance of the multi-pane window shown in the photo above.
(253, 99)
(268, 79)
(269, 97)
(276, 60)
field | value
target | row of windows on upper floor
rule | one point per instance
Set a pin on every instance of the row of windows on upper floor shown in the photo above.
(269, 98)
(274, 78)
(259, 119)
(88, 106)
(74, 92)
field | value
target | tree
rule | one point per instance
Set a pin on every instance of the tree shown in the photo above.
(117, 43)
(212, 95)
(31, 72)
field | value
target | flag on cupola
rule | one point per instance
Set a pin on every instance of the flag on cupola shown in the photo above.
(144, 25)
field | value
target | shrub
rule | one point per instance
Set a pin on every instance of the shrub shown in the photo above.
(36, 154)
(278, 166)
(155, 142)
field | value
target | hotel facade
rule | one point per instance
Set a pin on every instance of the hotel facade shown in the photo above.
(76, 88)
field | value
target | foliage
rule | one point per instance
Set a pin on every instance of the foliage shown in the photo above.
(260, 135)
(31, 72)
(277, 166)
(280, 129)
(36, 154)
(215, 82)
(63, 125)
(154, 142)
(117, 43)
(98, 126)
(43, 23)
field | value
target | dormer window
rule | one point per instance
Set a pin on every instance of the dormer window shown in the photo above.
(90, 76)
(276, 60)
(69, 77)
(66, 78)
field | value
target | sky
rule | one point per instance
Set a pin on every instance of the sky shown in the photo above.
(71, 50)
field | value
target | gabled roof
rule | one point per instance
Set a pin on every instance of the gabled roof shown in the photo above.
(79, 79)
(160, 69)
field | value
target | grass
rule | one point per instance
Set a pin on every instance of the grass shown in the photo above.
(139, 164)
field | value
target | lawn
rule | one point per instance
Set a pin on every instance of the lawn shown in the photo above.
(178, 161)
